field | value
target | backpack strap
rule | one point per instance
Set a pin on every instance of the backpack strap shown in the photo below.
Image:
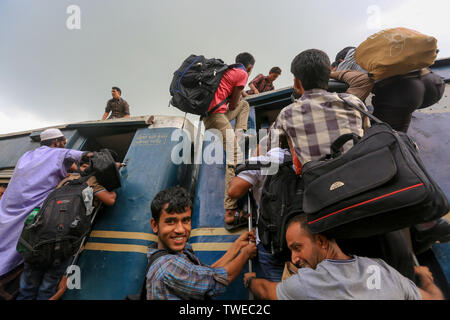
(358, 108)
(153, 258)
(251, 166)
(237, 66)
(259, 165)
(217, 106)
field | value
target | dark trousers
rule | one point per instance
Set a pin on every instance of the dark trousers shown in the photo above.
(41, 284)
(271, 267)
(397, 98)
(391, 247)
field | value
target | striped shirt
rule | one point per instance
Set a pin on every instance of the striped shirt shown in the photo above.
(182, 276)
(318, 118)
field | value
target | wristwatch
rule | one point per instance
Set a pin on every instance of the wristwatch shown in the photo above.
(247, 283)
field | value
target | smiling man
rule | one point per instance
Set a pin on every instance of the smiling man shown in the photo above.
(327, 273)
(177, 273)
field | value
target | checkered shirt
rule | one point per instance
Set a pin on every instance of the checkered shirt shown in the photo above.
(262, 83)
(182, 276)
(318, 118)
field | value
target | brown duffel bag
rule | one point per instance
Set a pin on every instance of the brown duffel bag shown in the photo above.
(395, 52)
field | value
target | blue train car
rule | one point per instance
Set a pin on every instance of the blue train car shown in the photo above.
(113, 260)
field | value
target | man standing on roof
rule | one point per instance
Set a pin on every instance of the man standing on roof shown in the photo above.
(118, 107)
(177, 273)
(36, 174)
(263, 83)
(231, 86)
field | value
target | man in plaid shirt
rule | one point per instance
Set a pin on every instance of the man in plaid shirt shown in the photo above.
(179, 274)
(262, 83)
(318, 117)
(313, 122)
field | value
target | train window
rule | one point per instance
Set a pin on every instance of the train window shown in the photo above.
(118, 142)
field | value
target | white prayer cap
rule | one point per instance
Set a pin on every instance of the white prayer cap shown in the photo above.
(51, 133)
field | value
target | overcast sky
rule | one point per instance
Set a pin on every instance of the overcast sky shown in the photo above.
(57, 69)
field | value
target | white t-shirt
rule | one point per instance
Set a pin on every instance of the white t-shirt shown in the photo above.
(359, 278)
(256, 177)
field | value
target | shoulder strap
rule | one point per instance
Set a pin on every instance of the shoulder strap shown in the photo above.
(156, 256)
(357, 107)
(215, 108)
(237, 66)
(251, 166)
(153, 258)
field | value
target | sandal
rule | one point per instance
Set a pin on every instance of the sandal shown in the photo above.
(240, 220)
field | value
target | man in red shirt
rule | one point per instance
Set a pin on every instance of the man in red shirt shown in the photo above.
(262, 83)
(231, 87)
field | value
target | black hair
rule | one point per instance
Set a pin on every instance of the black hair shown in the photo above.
(245, 58)
(302, 219)
(341, 54)
(49, 142)
(312, 68)
(112, 152)
(284, 144)
(117, 89)
(334, 64)
(177, 198)
(276, 70)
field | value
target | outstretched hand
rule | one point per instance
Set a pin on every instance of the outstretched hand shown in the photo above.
(251, 250)
(424, 274)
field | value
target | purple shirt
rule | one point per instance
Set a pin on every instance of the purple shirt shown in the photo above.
(36, 174)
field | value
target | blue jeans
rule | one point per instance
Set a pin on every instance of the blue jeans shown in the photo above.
(271, 267)
(41, 284)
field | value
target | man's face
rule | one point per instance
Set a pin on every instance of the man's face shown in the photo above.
(249, 69)
(2, 191)
(306, 252)
(115, 94)
(273, 76)
(61, 144)
(173, 229)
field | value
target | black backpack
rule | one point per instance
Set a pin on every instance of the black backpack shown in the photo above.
(59, 227)
(195, 83)
(103, 166)
(281, 199)
(378, 186)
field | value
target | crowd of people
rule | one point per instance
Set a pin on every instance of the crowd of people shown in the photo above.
(319, 267)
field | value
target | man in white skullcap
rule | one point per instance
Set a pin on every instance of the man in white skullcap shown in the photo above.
(36, 174)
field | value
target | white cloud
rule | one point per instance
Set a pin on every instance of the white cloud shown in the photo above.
(16, 120)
